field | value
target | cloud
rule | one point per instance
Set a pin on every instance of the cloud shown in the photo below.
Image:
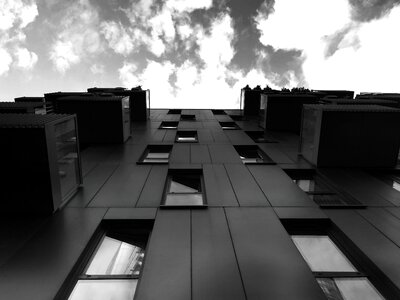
(118, 38)
(17, 12)
(97, 69)
(25, 59)
(15, 16)
(78, 36)
(338, 52)
(367, 10)
(206, 78)
(5, 61)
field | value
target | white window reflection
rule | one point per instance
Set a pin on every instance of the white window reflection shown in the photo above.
(321, 254)
(357, 288)
(184, 190)
(115, 257)
(104, 290)
(396, 186)
(184, 199)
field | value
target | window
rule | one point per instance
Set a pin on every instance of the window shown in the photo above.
(336, 275)
(236, 117)
(218, 112)
(174, 111)
(187, 136)
(156, 154)
(342, 271)
(169, 125)
(253, 155)
(184, 188)
(229, 125)
(111, 265)
(188, 117)
(321, 192)
(260, 137)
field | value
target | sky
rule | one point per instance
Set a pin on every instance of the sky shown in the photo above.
(198, 53)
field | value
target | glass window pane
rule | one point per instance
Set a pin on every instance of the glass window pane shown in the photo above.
(330, 289)
(104, 290)
(155, 160)
(321, 254)
(161, 155)
(357, 288)
(186, 139)
(396, 186)
(184, 199)
(115, 257)
(304, 184)
(184, 185)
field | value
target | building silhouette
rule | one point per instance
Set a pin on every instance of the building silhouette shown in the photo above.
(207, 204)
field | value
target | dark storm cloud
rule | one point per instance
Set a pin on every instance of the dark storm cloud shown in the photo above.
(367, 10)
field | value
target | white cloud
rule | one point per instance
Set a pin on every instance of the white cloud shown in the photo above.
(188, 6)
(63, 55)
(5, 61)
(212, 84)
(25, 59)
(78, 38)
(97, 69)
(364, 57)
(118, 38)
(17, 12)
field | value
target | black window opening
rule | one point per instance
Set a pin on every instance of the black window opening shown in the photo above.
(236, 117)
(111, 264)
(156, 154)
(169, 125)
(186, 136)
(253, 155)
(174, 112)
(322, 192)
(260, 137)
(229, 125)
(184, 188)
(339, 267)
(218, 112)
(188, 117)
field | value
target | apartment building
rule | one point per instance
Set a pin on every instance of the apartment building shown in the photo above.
(205, 204)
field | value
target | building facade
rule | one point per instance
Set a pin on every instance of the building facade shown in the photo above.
(203, 204)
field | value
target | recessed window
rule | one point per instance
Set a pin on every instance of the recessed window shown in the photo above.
(113, 270)
(169, 125)
(322, 193)
(229, 125)
(184, 188)
(188, 117)
(236, 117)
(187, 136)
(218, 112)
(253, 155)
(260, 137)
(337, 276)
(156, 154)
(174, 111)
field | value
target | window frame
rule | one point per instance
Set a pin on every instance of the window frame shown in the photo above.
(194, 132)
(174, 112)
(169, 125)
(346, 200)
(364, 266)
(188, 117)
(266, 160)
(260, 140)
(218, 112)
(161, 148)
(186, 173)
(137, 228)
(234, 126)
